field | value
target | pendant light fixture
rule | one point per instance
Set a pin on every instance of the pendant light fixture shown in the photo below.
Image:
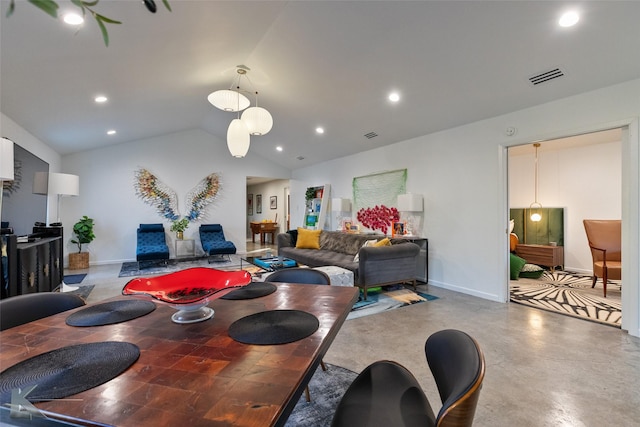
(535, 208)
(254, 120)
(238, 139)
(258, 120)
(231, 99)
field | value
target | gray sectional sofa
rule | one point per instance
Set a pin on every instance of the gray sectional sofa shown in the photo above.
(376, 265)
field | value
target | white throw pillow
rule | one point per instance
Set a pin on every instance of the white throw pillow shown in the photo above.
(367, 243)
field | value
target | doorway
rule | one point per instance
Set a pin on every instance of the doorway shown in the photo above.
(581, 176)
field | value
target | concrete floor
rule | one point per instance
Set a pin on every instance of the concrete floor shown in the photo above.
(543, 369)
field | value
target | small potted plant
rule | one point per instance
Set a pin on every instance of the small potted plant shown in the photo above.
(83, 230)
(179, 226)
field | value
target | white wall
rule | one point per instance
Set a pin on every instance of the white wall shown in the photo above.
(585, 180)
(267, 190)
(180, 161)
(462, 174)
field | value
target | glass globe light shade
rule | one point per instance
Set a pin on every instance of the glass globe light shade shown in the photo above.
(535, 210)
(258, 120)
(238, 138)
(228, 100)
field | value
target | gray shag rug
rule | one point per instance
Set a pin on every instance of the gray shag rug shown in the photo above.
(326, 389)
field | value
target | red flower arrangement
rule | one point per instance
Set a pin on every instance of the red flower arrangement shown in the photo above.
(378, 217)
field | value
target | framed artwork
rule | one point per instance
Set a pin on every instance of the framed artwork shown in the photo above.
(249, 204)
(346, 226)
(273, 202)
(398, 229)
(259, 203)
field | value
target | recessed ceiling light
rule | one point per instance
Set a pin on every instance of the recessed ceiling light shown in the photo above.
(73, 19)
(569, 19)
(319, 130)
(394, 97)
(100, 99)
(279, 148)
(111, 132)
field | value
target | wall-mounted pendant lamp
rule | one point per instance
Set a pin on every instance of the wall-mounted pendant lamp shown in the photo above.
(254, 121)
(6, 164)
(535, 208)
(6, 160)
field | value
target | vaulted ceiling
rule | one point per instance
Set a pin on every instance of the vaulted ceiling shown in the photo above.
(315, 63)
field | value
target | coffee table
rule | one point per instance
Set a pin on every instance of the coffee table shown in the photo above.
(269, 264)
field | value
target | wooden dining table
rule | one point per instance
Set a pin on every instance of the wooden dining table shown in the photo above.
(194, 374)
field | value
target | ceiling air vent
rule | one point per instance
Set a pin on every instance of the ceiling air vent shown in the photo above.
(370, 135)
(546, 76)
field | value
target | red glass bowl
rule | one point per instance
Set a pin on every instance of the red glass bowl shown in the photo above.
(188, 291)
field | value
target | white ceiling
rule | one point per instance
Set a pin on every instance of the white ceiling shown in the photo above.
(328, 63)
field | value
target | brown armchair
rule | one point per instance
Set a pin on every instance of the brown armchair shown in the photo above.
(605, 241)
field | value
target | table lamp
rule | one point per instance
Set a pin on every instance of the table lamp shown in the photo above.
(340, 206)
(410, 203)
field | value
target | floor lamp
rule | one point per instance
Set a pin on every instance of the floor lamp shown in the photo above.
(60, 184)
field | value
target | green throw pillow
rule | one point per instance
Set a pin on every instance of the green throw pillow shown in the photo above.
(531, 271)
(516, 264)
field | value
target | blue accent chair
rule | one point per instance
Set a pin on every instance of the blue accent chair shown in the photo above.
(152, 244)
(213, 241)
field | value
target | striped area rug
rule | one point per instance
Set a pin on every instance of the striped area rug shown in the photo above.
(570, 294)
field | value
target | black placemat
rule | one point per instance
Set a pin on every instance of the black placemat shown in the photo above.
(274, 327)
(68, 370)
(252, 290)
(110, 312)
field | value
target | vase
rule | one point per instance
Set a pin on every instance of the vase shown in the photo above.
(179, 235)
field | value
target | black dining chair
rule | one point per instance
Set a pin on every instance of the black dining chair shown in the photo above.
(306, 276)
(387, 394)
(21, 309)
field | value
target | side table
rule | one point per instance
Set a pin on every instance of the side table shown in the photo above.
(545, 255)
(188, 245)
(422, 264)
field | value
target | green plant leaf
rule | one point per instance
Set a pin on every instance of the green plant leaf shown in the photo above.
(87, 3)
(103, 29)
(12, 7)
(166, 4)
(47, 6)
(107, 20)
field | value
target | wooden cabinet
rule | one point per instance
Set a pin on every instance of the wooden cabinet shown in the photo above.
(34, 266)
(545, 255)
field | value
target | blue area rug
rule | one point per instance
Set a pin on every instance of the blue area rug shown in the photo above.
(73, 279)
(387, 298)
